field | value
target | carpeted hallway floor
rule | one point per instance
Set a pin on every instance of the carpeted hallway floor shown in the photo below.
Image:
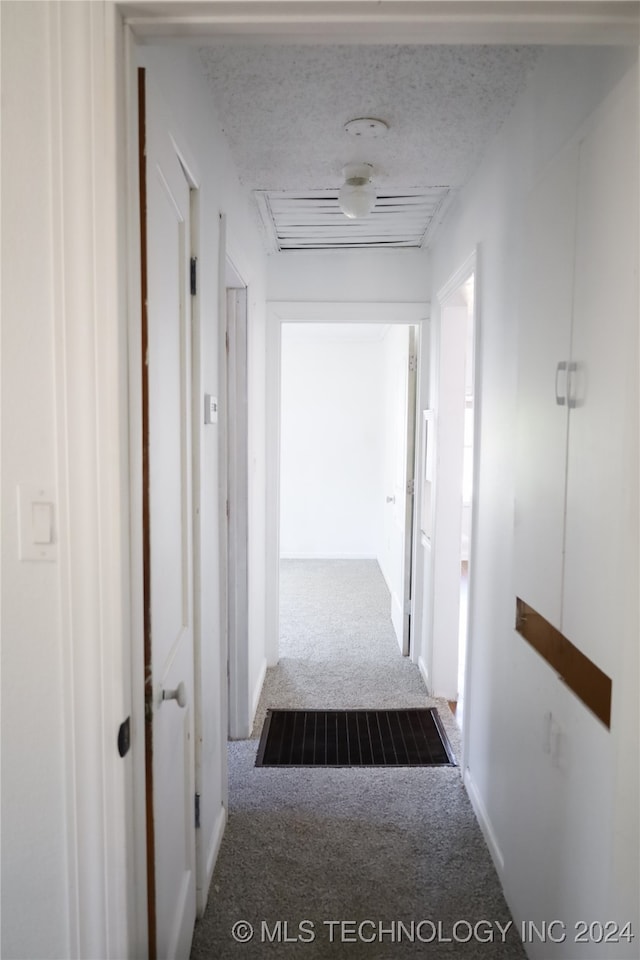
(311, 848)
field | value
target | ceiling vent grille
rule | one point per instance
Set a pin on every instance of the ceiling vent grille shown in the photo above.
(312, 219)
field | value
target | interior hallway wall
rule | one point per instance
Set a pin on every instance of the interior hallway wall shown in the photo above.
(545, 824)
(34, 783)
(349, 275)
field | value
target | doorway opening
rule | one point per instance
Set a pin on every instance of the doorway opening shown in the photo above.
(347, 464)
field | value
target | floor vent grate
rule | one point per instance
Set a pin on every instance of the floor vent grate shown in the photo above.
(354, 738)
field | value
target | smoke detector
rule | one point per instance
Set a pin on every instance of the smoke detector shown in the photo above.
(366, 127)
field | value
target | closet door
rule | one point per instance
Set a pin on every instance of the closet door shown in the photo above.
(603, 426)
(544, 341)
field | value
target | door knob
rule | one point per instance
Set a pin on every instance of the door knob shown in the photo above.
(179, 694)
(391, 499)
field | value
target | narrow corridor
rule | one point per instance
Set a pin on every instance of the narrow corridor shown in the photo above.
(396, 854)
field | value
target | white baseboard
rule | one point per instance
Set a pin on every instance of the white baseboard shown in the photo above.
(202, 893)
(257, 691)
(485, 823)
(384, 574)
(397, 617)
(328, 556)
(424, 673)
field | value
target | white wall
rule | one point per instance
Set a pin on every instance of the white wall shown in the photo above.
(344, 275)
(343, 436)
(178, 72)
(543, 847)
(331, 484)
(35, 891)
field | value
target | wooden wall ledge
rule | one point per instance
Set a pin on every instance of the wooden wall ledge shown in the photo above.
(580, 674)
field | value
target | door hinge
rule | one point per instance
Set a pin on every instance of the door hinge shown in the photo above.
(194, 276)
(197, 811)
(407, 607)
(413, 363)
(226, 340)
(411, 487)
(228, 510)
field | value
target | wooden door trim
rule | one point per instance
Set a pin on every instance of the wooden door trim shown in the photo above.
(146, 525)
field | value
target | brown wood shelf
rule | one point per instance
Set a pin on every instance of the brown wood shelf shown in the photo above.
(576, 670)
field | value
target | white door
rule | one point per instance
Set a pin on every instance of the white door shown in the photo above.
(169, 574)
(399, 468)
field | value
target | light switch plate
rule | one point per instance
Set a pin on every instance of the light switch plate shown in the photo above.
(37, 522)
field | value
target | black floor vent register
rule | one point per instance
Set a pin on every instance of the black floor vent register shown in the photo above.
(354, 738)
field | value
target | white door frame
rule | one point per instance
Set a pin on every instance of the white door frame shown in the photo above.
(102, 293)
(438, 641)
(317, 311)
(237, 511)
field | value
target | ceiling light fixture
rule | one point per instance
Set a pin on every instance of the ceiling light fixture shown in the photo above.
(357, 195)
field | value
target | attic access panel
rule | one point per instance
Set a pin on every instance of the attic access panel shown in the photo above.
(313, 220)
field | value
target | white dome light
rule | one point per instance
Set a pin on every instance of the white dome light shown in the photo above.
(357, 196)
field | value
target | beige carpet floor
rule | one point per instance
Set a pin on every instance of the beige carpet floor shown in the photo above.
(356, 863)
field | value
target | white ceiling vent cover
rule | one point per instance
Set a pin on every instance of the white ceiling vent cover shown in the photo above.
(312, 219)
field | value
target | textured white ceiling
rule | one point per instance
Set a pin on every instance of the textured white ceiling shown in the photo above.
(283, 109)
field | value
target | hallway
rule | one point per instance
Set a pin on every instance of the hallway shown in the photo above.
(374, 845)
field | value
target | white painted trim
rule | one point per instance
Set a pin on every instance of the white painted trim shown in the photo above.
(237, 523)
(328, 556)
(89, 317)
(202, 893)
(223, 492)
(415, 313)
(339, 311)
(424, 673)
(58, 311)
(483, 21)
(397, 618)
(482, 816)
(456, 279)
(273, 346)
(196, 394)
(257, 692)
(475, 512)
(468, 267)
(423, 388)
